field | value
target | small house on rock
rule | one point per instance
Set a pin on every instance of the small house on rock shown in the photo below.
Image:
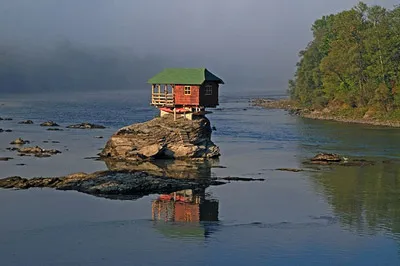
(184, 91)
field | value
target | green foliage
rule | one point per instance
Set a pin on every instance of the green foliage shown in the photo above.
(354, 59)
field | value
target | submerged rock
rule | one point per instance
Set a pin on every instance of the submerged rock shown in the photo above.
(5, 158)
(162, 138)
(26, 122)
(243, 179)
(109, 183)
(294, 170)
(19, 141)
(335, 159)
(49, 124)
(55, 129)
(86, 126)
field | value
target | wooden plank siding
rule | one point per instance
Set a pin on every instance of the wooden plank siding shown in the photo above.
(187, 100)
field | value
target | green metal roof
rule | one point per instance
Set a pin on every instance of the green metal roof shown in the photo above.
(189, 76)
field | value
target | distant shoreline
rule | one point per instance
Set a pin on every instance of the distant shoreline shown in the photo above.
(317, 114)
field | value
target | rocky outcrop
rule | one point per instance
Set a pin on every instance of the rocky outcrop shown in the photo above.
(19, 141)
(162, 138)
(86, 126)
(36, 151)
(123, 184)
(49, 124)
(326, 157)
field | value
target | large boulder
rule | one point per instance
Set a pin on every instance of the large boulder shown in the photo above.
(162, 138)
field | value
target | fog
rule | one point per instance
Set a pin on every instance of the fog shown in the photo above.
(48, 45)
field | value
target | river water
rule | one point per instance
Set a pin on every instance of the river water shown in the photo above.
(336, 216)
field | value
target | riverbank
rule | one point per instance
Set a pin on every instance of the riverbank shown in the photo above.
(347, 115)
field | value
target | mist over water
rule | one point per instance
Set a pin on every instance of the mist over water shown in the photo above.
(54, 45)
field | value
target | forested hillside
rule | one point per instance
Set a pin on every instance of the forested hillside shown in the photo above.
(353, 63)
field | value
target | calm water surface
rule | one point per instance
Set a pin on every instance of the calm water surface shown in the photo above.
(338, 216)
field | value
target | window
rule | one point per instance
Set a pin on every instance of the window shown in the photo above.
(208, 89)
(187, 90)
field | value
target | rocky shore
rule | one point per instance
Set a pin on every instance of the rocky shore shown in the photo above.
(320, 114)
(162, 138)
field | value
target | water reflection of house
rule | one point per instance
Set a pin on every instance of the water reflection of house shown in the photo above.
(184, 206)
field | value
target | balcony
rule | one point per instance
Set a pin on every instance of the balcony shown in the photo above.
(162, 99)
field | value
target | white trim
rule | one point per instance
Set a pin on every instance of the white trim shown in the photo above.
(187, 90)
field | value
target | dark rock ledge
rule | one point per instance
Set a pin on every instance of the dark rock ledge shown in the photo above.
(110, 183)
(86, 126)
(117, 184)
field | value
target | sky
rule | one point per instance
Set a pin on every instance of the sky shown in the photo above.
(253, 42)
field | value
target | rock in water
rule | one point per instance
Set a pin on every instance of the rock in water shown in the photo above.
(37, 151)
(26, 122)
(86, 126)
(163, 138)
(326, 157)
(19, 141)
(49, 124)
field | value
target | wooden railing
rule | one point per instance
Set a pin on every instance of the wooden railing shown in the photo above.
(162, 99)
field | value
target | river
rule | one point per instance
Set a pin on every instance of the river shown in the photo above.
(337, 216)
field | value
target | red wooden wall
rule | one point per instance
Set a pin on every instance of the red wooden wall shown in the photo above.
(189, 100)
(198, 96)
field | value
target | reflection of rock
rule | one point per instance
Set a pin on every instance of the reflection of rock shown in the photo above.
(19, 141)
(170, 168)
(26, 122)
(86, 126)
(116, 185)
(163, 138)
(49, 124)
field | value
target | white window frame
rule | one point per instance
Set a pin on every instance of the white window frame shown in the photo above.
(187, 90)
(208, 90)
